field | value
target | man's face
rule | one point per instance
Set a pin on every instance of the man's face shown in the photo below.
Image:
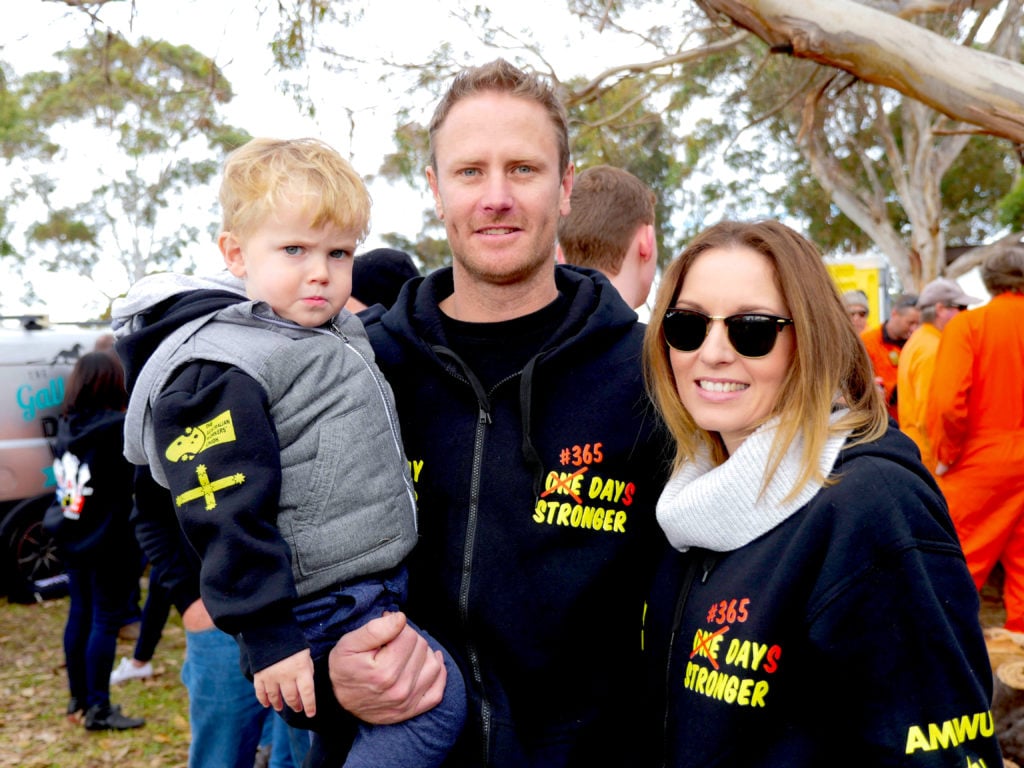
(498, 187)
(903, 322)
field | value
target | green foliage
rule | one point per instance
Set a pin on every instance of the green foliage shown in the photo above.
(152, 106)
(1011, 207)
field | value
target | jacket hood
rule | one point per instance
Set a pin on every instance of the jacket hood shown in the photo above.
(596, 309)
(158, 304)
(893, 446)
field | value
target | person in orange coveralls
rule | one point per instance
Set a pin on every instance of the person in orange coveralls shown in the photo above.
(884, 343)
(940, 301)
(975, 417)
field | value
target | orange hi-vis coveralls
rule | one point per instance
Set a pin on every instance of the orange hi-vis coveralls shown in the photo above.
(884, 356)
(975, 418)
(913, 381)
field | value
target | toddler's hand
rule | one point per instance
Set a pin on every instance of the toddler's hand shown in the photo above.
(288, 681)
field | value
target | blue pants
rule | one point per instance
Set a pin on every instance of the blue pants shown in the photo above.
(424, 740)
(225, 716)
(98, 593)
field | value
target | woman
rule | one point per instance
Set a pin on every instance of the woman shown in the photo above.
(94, 491)
(815, 607)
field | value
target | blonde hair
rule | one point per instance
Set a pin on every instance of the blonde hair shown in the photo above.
(829, 364)
(260, 174)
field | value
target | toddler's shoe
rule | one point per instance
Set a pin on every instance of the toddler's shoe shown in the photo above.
(128, 671)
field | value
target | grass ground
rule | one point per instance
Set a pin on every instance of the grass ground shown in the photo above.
(34, 731)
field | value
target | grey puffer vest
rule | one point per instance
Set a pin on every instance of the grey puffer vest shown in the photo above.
(347, 507)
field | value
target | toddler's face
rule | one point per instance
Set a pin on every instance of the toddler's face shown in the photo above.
(304, 274)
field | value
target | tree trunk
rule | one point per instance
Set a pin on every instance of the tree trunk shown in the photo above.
(966, 84)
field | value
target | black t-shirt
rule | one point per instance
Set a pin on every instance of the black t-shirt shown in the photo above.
(495, 351)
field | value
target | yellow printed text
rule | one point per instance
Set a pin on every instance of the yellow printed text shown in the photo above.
(741, 691)
(563, 513)
(950, 733)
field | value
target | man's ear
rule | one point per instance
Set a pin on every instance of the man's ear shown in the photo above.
(647, 242)
(432, 181)
(231, 248)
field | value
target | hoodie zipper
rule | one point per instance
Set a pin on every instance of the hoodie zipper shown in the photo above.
(472, 520)
(704, 564)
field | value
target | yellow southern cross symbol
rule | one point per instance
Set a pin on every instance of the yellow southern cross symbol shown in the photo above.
(206, 488)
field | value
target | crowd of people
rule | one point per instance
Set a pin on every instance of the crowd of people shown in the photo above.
(486, 517)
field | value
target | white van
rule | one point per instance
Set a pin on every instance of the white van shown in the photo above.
(36, 358)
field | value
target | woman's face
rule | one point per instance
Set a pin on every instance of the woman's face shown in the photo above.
(722, 390)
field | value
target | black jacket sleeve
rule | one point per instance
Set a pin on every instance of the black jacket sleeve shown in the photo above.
(226, 496)
(162, 540)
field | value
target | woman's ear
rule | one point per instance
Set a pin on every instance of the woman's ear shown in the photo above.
(231, 248)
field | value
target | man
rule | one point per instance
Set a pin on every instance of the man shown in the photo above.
(939, 302)
(885, 342)
(856, 302)
(610, 227)
(536, 455)
(975, 418)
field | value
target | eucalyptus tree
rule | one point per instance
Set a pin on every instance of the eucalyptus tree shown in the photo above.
(813, 111)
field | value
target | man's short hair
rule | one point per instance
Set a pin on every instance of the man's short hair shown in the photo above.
(499, 76)
(607, 206)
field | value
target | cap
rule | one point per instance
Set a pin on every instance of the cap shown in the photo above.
(855, 297)
(946, 291)
(378, 275)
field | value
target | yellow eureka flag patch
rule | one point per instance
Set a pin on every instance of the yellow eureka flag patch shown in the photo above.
(195, 440)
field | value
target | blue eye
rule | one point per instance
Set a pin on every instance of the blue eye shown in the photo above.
(339, 254)
(293, 250)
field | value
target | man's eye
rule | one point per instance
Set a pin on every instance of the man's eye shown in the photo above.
(340, 254)
(469, 172)
(293, 250)
(522, 169)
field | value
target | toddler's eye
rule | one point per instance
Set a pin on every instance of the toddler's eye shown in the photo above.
(340, 254)
(293, 250)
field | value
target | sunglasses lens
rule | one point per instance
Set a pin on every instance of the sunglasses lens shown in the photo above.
(685, 330)
(752, 335)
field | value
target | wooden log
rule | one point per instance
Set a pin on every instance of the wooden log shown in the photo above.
(1008, 709)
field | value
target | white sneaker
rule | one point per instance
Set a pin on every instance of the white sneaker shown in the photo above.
(128, 671)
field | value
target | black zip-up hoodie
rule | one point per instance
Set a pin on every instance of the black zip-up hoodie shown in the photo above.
(536, 503)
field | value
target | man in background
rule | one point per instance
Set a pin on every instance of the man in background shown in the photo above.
(885, 342)
(610, 227)
(975, 418)
(939, 302)
(856, 302)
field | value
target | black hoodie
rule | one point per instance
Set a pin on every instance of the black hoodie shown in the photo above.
(848, 634)
(536, 501)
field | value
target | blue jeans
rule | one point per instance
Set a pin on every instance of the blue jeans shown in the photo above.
(288, 745)
(224, 714)
(424, 740)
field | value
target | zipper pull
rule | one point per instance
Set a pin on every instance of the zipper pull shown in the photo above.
(485, 416)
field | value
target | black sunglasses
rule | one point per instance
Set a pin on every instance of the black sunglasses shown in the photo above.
(751, 334)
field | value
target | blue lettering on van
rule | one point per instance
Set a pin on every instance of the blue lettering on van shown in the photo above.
(32, 401)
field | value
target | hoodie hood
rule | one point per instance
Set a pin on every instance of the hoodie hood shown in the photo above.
(159, 304)
(595, 309)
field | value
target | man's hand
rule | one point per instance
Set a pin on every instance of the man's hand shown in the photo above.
(288, 681)
(384, 672)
